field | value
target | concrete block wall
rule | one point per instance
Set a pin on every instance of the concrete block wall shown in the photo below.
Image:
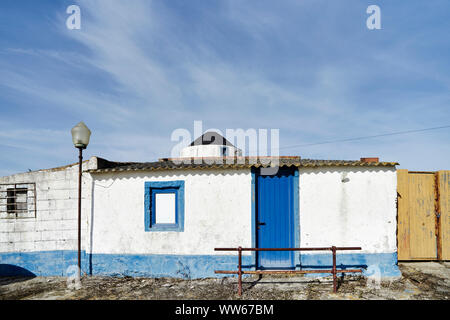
(55, 225)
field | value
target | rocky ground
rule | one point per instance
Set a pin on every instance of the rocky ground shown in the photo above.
(420, 280)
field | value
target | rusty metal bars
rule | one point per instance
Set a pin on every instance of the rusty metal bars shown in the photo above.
(9, 204)
(333, 271)
(240, 271)
(333, 250)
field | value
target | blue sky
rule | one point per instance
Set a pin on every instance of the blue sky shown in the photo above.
(137, 70)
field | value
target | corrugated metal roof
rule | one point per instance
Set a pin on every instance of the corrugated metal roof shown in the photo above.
(233, 163)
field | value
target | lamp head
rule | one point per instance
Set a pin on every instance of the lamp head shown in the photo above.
(81, 135)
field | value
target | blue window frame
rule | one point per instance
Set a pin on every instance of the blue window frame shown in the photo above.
(152, 189)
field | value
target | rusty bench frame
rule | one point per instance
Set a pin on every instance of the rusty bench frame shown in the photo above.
(240, 272)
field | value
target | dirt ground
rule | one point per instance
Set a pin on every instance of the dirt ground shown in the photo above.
(419, 281)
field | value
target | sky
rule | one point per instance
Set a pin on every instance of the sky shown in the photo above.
(137, 70)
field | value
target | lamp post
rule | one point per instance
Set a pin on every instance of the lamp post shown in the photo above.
(80, 139)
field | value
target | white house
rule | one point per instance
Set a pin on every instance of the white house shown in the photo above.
(165, 218)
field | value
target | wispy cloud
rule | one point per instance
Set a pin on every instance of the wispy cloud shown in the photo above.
(139, 69)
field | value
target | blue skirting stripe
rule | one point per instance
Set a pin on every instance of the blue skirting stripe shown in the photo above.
(57, 263)
(384, 264)
(40, 263)
(179, 266)
(61, 263)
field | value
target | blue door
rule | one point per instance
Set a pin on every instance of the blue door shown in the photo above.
(275, 218)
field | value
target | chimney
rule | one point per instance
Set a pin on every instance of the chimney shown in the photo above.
(369, 160)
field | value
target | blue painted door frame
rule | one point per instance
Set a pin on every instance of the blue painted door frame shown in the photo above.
(276, 218)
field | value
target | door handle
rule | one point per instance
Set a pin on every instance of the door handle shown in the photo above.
(261, 223)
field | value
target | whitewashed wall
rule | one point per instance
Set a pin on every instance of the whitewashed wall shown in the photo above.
(338, 206)
(217, 213)
(349, 207)
(56, 223)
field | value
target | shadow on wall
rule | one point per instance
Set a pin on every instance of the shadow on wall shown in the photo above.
(10, 270)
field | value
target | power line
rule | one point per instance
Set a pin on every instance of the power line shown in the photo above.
(365, 137)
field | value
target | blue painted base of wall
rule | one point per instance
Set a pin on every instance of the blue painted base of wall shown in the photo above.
(57, 263)
(384, 264)
(179, 266)
(39, 263)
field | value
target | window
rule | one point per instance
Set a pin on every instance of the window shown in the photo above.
(18, 200)
(164, 206)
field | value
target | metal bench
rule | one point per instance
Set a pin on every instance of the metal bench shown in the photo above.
(240, 272)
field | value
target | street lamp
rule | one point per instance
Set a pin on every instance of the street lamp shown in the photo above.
(80, 139)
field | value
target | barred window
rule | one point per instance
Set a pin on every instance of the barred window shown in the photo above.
(18, 200)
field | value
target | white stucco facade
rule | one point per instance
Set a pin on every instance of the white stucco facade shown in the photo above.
(338, 206)
(217, 213)
(349, 207)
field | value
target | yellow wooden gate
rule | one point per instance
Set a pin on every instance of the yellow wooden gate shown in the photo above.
(423, 231)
